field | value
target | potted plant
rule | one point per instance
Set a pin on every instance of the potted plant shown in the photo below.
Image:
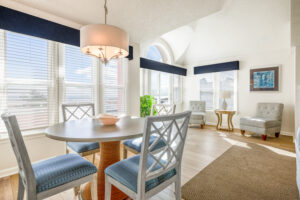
(146, 103)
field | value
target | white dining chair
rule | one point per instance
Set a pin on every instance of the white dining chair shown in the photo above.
(142, 176)
(134, 145)
(48, 177)
(76, 112)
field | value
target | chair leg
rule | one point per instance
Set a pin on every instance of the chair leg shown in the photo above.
(264, 137)
(21, 189)
(202, 126)
(31, 196)
(94, 188)
(277, 134)
(76, 191)
(93, 158)
(178, 189)
(107, 188)
(124, 152)
(243, 132)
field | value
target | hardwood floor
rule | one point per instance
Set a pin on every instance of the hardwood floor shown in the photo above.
(202, 147)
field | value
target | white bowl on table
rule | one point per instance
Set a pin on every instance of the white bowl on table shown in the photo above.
(108, 119)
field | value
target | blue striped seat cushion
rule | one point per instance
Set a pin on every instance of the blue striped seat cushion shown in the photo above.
(59, 170)
(136, 143)
(126, 172)
(81, 147)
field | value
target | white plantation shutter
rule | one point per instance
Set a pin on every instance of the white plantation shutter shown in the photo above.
(26, 73)
(79, 76)
(114, 87)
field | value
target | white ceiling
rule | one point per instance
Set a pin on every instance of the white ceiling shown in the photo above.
(142, 19)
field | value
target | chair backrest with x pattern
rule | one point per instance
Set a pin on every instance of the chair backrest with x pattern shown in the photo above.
(173, 132)
(77, 111)
(163, 109)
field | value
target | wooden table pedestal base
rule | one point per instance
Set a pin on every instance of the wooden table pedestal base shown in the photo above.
(109, 154)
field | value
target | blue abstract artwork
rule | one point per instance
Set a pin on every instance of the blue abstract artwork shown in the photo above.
(264, 79)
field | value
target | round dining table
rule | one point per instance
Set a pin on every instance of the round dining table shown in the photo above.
(109, 137)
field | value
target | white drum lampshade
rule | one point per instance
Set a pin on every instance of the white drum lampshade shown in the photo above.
(226, 94)
(104, 41)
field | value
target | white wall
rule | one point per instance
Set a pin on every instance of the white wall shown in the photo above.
(39, 147)
(257, 33)
(295, 41)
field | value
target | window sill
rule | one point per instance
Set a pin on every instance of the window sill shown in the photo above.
(31, 134)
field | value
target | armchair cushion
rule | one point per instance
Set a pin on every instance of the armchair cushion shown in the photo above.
(198, 106)
(81, 147)
(272, 111)
(60, 170)
(126, 172)
(202, 114)
(259, 122)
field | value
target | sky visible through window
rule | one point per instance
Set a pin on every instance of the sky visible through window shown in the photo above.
(78, 65)
(26, 57)
(154, 54)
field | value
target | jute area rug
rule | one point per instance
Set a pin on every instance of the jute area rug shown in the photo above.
(245, 172)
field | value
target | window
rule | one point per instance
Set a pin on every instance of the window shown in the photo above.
(114, 87)
(164, 90)
(212, 86)
(207, 90)
(165, 87)
(37, 75)
(78, 77)
(227, 83)
(25, 69)
(176, 88)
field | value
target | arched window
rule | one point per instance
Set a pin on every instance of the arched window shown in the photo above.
(154, 53)
(164, 87)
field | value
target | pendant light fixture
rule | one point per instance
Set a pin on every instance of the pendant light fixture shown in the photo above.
(104, 41)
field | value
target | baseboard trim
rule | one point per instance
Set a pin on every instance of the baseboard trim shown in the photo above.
(8, 172)
(287, 133)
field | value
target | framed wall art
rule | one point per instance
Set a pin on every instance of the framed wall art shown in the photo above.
(264, 79)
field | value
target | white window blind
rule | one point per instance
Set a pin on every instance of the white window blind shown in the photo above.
(154, 85)
(164, 89)
(227, 83)
(207, 90)
(78, 77)
(114, 87)
(26, 69)
(177, 88)
(213, 84)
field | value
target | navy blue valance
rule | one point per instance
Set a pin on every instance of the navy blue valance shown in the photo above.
(19, 22)
(162, 67)
(220, 67)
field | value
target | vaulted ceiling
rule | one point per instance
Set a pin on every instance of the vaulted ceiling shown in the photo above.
(142, 19)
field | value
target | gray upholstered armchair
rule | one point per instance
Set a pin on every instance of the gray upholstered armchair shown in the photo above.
(198, 113)
(266, 121)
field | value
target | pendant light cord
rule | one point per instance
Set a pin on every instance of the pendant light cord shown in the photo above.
(105, 10)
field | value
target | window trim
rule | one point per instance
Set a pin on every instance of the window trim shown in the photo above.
(216, 91)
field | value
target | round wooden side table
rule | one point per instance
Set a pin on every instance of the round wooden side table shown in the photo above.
(229, 114)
